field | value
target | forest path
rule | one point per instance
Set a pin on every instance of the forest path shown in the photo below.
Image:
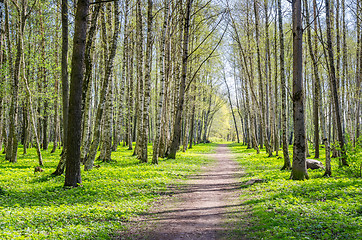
(208, 207)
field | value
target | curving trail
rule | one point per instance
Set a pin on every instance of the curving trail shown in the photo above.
(207, 208)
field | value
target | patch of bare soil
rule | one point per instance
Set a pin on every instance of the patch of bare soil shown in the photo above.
(208, 207)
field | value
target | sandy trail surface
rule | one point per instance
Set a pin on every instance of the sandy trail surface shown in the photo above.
(205, 208)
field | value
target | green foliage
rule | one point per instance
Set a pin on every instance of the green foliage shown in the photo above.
(36, 206)
(354, 158)
(318, 208)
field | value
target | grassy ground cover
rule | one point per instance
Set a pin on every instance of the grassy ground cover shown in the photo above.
(36, 206)
(318, 208)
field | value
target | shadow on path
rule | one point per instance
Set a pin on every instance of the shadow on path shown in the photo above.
(208, 207)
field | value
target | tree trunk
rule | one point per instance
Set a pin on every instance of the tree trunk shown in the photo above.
(87, 84)
(12, 151)
(333, 84)
(263, 133)
(192, 127)
(160, 109)
(276, 107)
(103, 95)
(32, 118)
(299, 168)
(65, 85)
(286, 165)
(74, 134)
(177, 124)
(140, 81)
(328, 171)
(147, 84)
(43, 75)
(316, 85)
(231, 108)
(130, 92)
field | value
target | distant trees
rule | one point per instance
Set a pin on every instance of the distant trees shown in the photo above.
(151, 86)
(144, 84)
(323, 116)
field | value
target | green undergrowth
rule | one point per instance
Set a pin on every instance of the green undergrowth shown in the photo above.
(36, 206)
(318, 208)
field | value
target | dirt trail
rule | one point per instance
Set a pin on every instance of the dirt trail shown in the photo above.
(200, 210)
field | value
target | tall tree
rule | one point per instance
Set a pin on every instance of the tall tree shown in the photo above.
(283, 90)
(333, 84)
(263, 133)
(147, 82)
(74, 134)
(299, 168)
(160, 108)
(231, 106)
(23, 14)
(88, 165)
(180, 105)
(65, 85)
(316, 84)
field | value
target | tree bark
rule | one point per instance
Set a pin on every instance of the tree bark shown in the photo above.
(87, 84)
(12, 151)
(65, 85)
(333, 84)
(130, 92)
(140, 81)
(316, 85)
(299, 168)
(231, 108)
(104, 92)
(286, 165)
(177, 124)
(328, 171)
(74, 134)
(32, 118)
(147, 84)
(160, 109)
(263, 133)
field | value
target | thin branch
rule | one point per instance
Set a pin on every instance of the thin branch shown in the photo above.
(212, 52)
(105, 1)
(212, 31)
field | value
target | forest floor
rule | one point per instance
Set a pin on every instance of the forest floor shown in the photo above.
(207, 207)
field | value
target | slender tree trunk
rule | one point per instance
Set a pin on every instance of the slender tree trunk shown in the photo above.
(103, 95)
(160, 109)
(276, 105)
(334, 85)
(32, 118)
(147, 82)
(344, 64)
(269, 113)
(107, 124)
(121, 118)
(56, 111)
(316, 84)
(43, 75)
(140, 82)
(358, 93)
(65, 85)
(286, 165)
(130, 92)
(231, 108)
(12, 151)
(87, 84)
(185, 55)
(192, 127)
(328, 171)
